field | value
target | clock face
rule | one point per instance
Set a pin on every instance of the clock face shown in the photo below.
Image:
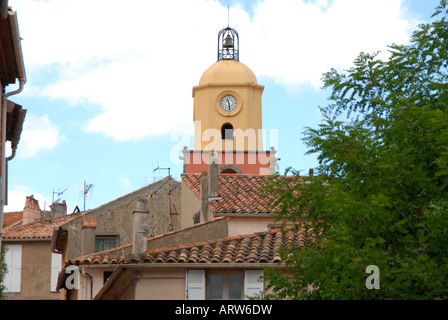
(228, 103)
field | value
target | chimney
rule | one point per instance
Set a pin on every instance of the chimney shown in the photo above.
(58, 209)
(205, 214)
(140, 228)
(31, 211)
(213, 176)
(88, 235)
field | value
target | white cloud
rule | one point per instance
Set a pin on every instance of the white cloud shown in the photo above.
(17, 197)
(138, 60)
(295, 41)
(125, 183)
(39, 135)
(18, 194)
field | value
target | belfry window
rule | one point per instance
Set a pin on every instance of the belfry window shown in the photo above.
(227, 131)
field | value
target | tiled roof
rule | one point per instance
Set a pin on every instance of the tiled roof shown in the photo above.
(261, 247)
(238, 193)
(11, 218)
(38, 230)
(119, 253)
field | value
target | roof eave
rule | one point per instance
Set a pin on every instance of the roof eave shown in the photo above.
(24, 239)
(252, 214)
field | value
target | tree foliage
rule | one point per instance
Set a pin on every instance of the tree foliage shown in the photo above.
(3, 270)
(381, 189)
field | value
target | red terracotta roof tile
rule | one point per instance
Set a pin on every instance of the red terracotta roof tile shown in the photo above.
(238, 193)
(37, 230)
(261, 247)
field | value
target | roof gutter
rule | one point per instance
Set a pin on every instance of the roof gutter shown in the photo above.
(26, 239)
(245, 215)
(12, 16)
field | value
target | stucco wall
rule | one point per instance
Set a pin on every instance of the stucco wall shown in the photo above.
(210, 230)
(36, 272)
(248, 225)
(160, 284)
(191, 204)
(148, 284)
(123, 288)
(248, 162)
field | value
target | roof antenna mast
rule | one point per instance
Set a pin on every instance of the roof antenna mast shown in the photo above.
(228, 14)
(58, 194)
(87, 188)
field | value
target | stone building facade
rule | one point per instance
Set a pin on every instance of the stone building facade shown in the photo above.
(113, 226)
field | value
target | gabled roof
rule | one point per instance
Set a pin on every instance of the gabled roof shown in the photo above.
(238, 193)
(261, 247)
(146, 190)
(258, 248)
(111, 205)
(37, 230)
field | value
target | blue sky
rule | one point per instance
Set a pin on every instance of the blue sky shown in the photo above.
(109, 87)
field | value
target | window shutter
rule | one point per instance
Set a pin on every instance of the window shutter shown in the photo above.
(13, 260)
(56, 265)
(253, 286)
(195, 285)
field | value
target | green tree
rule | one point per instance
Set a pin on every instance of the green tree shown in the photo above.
(3, 270)
(381, 190)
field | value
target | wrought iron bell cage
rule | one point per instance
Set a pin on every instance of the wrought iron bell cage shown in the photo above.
(228, 44)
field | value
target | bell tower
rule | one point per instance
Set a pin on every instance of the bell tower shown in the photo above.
(228, 115)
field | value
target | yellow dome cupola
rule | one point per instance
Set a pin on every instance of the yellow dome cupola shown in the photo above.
(228, 71)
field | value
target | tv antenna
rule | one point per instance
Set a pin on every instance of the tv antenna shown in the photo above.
(58, 194)
(158, 168)
(87, 188)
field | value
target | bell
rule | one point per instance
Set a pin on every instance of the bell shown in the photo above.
(228, 42)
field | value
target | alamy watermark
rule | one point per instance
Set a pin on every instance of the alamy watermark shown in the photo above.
(373, 281)
(231, 141)
(72, 281)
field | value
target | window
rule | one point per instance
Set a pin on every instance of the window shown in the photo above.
(227, 131)
(105, 243)
(223, 284)
(229, 169)
(197, 218)
(106, 276)
(276, 226)
(13, 259)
